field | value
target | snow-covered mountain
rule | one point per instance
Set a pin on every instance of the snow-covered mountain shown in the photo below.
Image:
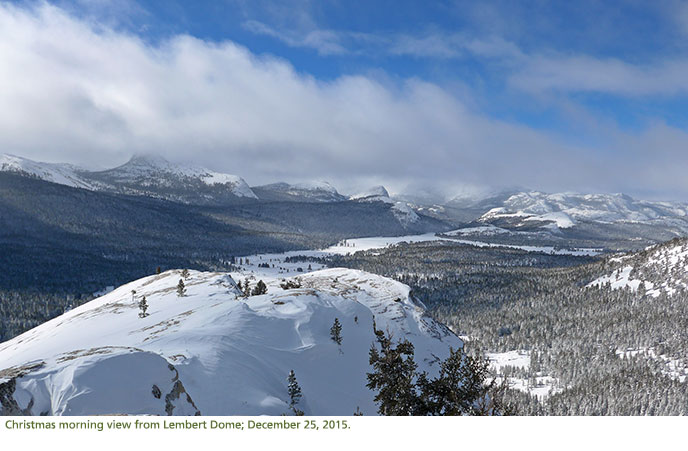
(401, 210)
(614, 220)
(378, 192)
(157, 177)
(320, 191)
(64, 174)
(141, 175)
(147, 170)
(213, 352)
(154, 176)
(565, 210)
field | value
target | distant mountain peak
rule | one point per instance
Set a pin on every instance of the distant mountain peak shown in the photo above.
(317, 185)
(143, 174)
(566, 209)
(313, 191)
(375, 191)
(148, 160)
(148, 171)
(63, 174)
(400, 209)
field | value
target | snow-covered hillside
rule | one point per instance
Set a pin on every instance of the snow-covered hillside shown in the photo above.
(319, 191)
(214, 352)
(565, 210)
(401, 210)
(64, 174)
(661, 269)
(142, 174)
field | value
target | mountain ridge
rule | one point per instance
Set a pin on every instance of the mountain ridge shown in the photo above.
(147, 175)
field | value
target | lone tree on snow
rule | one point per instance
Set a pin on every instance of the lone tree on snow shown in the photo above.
(185, 273)
(336, 331)
(294, 393)
(143, 306)
(181, 288)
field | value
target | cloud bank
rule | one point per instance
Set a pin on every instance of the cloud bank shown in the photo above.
(81, 92)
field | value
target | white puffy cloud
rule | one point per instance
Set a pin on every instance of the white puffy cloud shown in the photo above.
(80, 92)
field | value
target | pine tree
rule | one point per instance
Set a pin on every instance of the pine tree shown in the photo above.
(247, 288)
(143, 306)
(185, 273)
(181, 288)
(393, 376)
(259, 289)
(336, 331)
(460, 387)
(294, 391)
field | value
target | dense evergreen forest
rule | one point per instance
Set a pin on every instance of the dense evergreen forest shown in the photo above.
(609, 352)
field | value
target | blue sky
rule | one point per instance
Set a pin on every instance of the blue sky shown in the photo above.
(448, 95)
(429, 40)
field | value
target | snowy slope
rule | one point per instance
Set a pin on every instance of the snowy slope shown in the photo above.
(140, 175)
(64, 174)
(401, 210)
(212, 352)
(404, 213)
(565, 210)
(149, 171)
(661, 269)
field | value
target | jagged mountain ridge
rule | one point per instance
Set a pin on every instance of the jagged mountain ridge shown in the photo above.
(615, 221)
(213, 352)
(154, 176)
